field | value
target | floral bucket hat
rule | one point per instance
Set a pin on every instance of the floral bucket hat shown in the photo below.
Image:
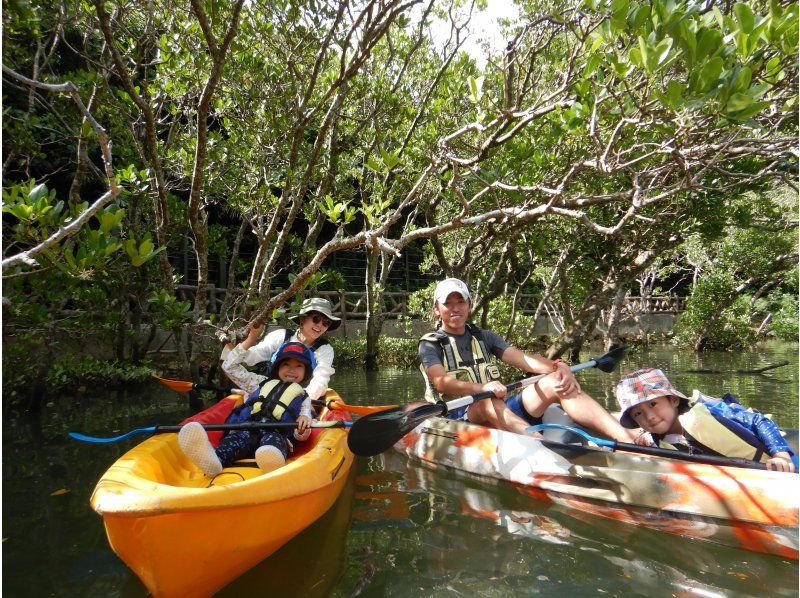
(640, 386)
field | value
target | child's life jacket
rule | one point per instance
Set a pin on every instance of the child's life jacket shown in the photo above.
(274, 401)
(726, 428)
(480, 369)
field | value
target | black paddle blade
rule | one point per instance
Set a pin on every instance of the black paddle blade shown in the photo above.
(377, 432)
(608, 362)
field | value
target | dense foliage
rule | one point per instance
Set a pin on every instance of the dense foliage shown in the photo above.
(157, 152)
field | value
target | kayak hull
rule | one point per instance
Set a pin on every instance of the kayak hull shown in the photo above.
(746, 508)
(182, 537)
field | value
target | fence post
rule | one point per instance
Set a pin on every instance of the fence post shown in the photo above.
(343, 312)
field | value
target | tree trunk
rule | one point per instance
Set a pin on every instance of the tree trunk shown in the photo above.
(374, 312)
(44, 360)
(612, 338)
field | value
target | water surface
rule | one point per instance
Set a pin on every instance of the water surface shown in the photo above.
(399, 529)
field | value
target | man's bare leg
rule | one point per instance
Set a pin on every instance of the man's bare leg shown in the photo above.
(580, 407)
(495, 414)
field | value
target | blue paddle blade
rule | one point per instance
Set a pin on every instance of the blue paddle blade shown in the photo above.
(97, 440)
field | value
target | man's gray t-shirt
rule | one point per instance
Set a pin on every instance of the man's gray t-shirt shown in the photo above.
(430, 353)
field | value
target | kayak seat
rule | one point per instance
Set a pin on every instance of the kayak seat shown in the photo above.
(555, 414)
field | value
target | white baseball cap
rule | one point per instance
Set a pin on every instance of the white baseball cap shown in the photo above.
(450, 285)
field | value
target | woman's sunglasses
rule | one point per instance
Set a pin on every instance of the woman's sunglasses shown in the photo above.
(318, 319)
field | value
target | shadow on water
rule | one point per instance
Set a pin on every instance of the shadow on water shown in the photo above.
(400, 528)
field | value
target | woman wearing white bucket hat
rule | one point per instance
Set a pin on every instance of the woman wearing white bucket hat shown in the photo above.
(315, 318)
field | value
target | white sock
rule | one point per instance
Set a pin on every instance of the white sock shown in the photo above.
(194, 443)
(269, 458)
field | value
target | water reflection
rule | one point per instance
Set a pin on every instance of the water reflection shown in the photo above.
(468, 537)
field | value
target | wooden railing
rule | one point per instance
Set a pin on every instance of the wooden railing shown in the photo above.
(351, 305)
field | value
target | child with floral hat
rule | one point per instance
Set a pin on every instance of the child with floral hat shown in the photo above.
(715, 427)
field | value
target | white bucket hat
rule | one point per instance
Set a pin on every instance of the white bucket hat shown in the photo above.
(319, 305)
(447, 286)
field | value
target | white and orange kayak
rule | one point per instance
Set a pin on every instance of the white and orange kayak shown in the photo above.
(746, 508)
(184, 534)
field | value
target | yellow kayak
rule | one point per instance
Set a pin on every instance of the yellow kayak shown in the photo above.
(185, 534)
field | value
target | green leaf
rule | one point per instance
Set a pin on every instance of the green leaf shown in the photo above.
(373, 164)
(130, 248)
(753, 109)
(708, 41)
(742, 79)
(719, 17)
(644, 52)
(710, 72)
(635, 56)
(638, 16)
(662, 50)
(673, 92)
(475, 89)
(390, 159)
(744, 17)
(37, 193)
(70, 258)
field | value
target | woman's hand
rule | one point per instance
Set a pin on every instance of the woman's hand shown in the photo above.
(781, 462)
(496, 387)
(254, 333)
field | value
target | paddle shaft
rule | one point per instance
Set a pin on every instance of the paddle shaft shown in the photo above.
(655, 451)
(673, 454)
(462, 401)
(210, 427)
(251, 426)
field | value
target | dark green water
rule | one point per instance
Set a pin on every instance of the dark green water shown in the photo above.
(399, 529)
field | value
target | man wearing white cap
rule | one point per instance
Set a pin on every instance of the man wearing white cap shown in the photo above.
(457, 360)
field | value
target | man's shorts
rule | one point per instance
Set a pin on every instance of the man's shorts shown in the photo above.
(459, 414)
(513, 402)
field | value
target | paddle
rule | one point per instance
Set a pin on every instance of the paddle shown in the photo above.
(654, 451)
(336, 404)
(210, 427)
(375, 433)
(181, 386)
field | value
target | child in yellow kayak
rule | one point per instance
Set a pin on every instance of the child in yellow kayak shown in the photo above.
(280, 397)
(711, 427)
